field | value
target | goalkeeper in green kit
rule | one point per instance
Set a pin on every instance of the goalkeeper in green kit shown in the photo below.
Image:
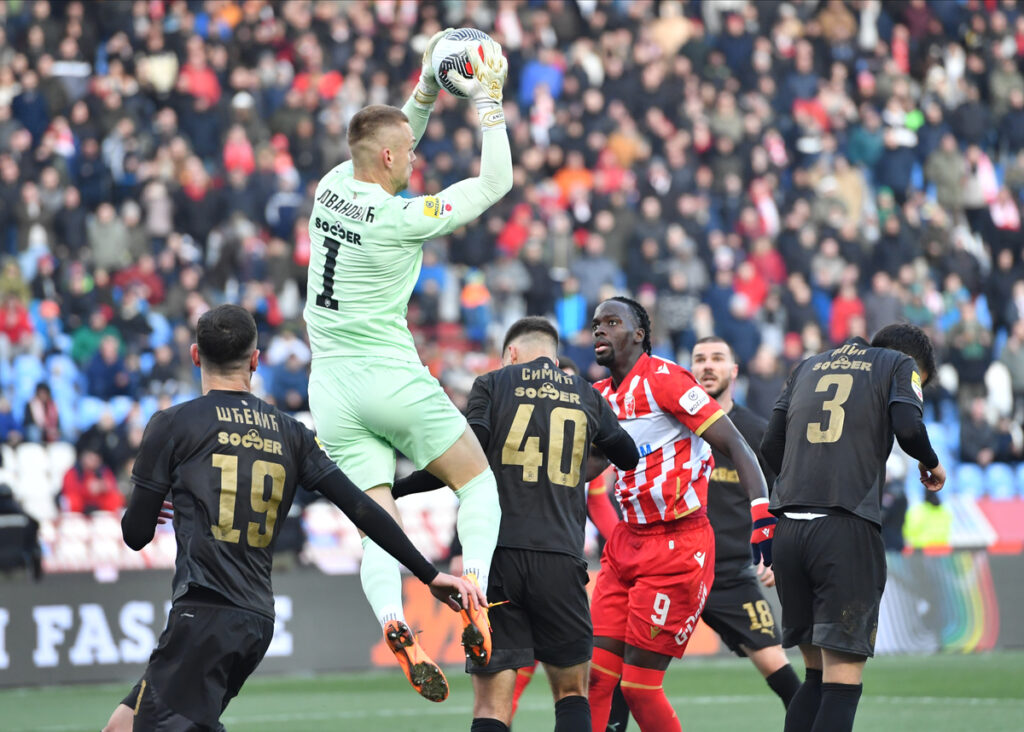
(368, 392)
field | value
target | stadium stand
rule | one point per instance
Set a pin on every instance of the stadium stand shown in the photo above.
(783, 174)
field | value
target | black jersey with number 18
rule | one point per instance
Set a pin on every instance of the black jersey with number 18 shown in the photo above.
(838, 432)
(231, 463)
(541, 422)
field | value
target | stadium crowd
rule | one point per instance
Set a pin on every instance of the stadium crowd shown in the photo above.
(783, 174)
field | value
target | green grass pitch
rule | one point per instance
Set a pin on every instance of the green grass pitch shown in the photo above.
(943, 693)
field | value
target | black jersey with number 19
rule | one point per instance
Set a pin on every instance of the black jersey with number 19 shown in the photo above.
(838, 433)
(231, 463)
(541, 422)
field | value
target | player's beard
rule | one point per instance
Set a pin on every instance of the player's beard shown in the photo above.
(721, 387)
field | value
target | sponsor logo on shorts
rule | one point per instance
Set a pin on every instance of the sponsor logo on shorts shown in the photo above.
(684, 633)
(654, 631)
(699, 556)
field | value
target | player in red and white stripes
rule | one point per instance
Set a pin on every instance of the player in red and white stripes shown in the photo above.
(658, 566)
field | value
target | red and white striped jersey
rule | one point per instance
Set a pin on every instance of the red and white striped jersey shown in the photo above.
(665, 411)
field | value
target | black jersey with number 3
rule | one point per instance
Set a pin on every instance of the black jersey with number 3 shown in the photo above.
(231, 463)
(541, 422)
(838, 433)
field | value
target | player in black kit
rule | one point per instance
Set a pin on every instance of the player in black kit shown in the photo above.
(736, 609)
(232, 464)
(536, 423)
(828, 439)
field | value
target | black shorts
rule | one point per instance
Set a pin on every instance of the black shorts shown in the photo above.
(738, 611)
(204, 656)
(830, 573)
(547, 617)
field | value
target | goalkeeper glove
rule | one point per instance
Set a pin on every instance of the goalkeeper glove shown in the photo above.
(427, 87)
(490, 69)
(764, 531)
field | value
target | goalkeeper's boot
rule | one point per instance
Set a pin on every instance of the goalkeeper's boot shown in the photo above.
(423, 674)
(476, 631)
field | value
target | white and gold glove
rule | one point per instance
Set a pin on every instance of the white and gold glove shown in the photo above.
(490, 69)
(427, 87)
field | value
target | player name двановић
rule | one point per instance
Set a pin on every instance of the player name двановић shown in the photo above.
(342, 207)
(235, 415)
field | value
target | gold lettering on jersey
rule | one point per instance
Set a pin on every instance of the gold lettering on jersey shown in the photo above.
(725, 475)
(842, 363)
(547, 391)
(256, 418)
(850, 350)
(556, 375)
(333, 202)
(250, 440)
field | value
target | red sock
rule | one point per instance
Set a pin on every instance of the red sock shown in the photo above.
(523, 677)
(647, 700)
(605, 670)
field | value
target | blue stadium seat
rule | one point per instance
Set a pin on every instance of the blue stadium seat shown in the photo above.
(969, 480)
(88, 411)
(28, 369)
(148, 406)
(119, 407)
(1020, 479)
(162, 333)
(1000, 482)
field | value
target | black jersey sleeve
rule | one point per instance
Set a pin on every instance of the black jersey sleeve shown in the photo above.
(906, 384)
(912, 434)
(154, 465)
(478, 410)
(313, 462)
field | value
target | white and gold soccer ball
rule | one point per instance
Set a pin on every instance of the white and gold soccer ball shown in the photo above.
(450, 54)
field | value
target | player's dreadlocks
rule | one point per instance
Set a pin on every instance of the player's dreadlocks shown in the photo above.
(643, 320)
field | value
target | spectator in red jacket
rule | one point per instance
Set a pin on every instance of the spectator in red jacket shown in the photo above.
(89, 485)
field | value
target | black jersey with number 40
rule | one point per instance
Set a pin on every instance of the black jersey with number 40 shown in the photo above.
(541, 422)
(838, 433)
(231, 463)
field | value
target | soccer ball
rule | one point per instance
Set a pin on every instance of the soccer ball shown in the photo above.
(450, 54)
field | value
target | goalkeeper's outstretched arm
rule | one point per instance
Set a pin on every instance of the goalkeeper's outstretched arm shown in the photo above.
(473, 196)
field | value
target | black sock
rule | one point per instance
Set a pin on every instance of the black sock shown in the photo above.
(803, 707)
(785, 683)
(838, 707)
(619, 717)
(572, 714)
(486, 724)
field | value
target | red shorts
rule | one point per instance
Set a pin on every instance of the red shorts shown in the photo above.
(653, 583)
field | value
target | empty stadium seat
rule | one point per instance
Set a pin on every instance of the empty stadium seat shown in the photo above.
(968, 480)
(60, 457)
(1000, 482)
(88, 410)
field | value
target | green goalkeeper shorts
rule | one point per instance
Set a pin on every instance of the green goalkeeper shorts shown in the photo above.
(365, 409)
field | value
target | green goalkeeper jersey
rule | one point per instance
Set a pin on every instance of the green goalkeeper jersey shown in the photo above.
(367, 250)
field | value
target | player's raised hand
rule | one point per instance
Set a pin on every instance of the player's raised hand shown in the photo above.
(427, 77)
(932, 479)
(490, 69)
(457, 592)
(763, 533)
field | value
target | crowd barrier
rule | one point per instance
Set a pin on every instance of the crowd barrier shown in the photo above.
(74, 627)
